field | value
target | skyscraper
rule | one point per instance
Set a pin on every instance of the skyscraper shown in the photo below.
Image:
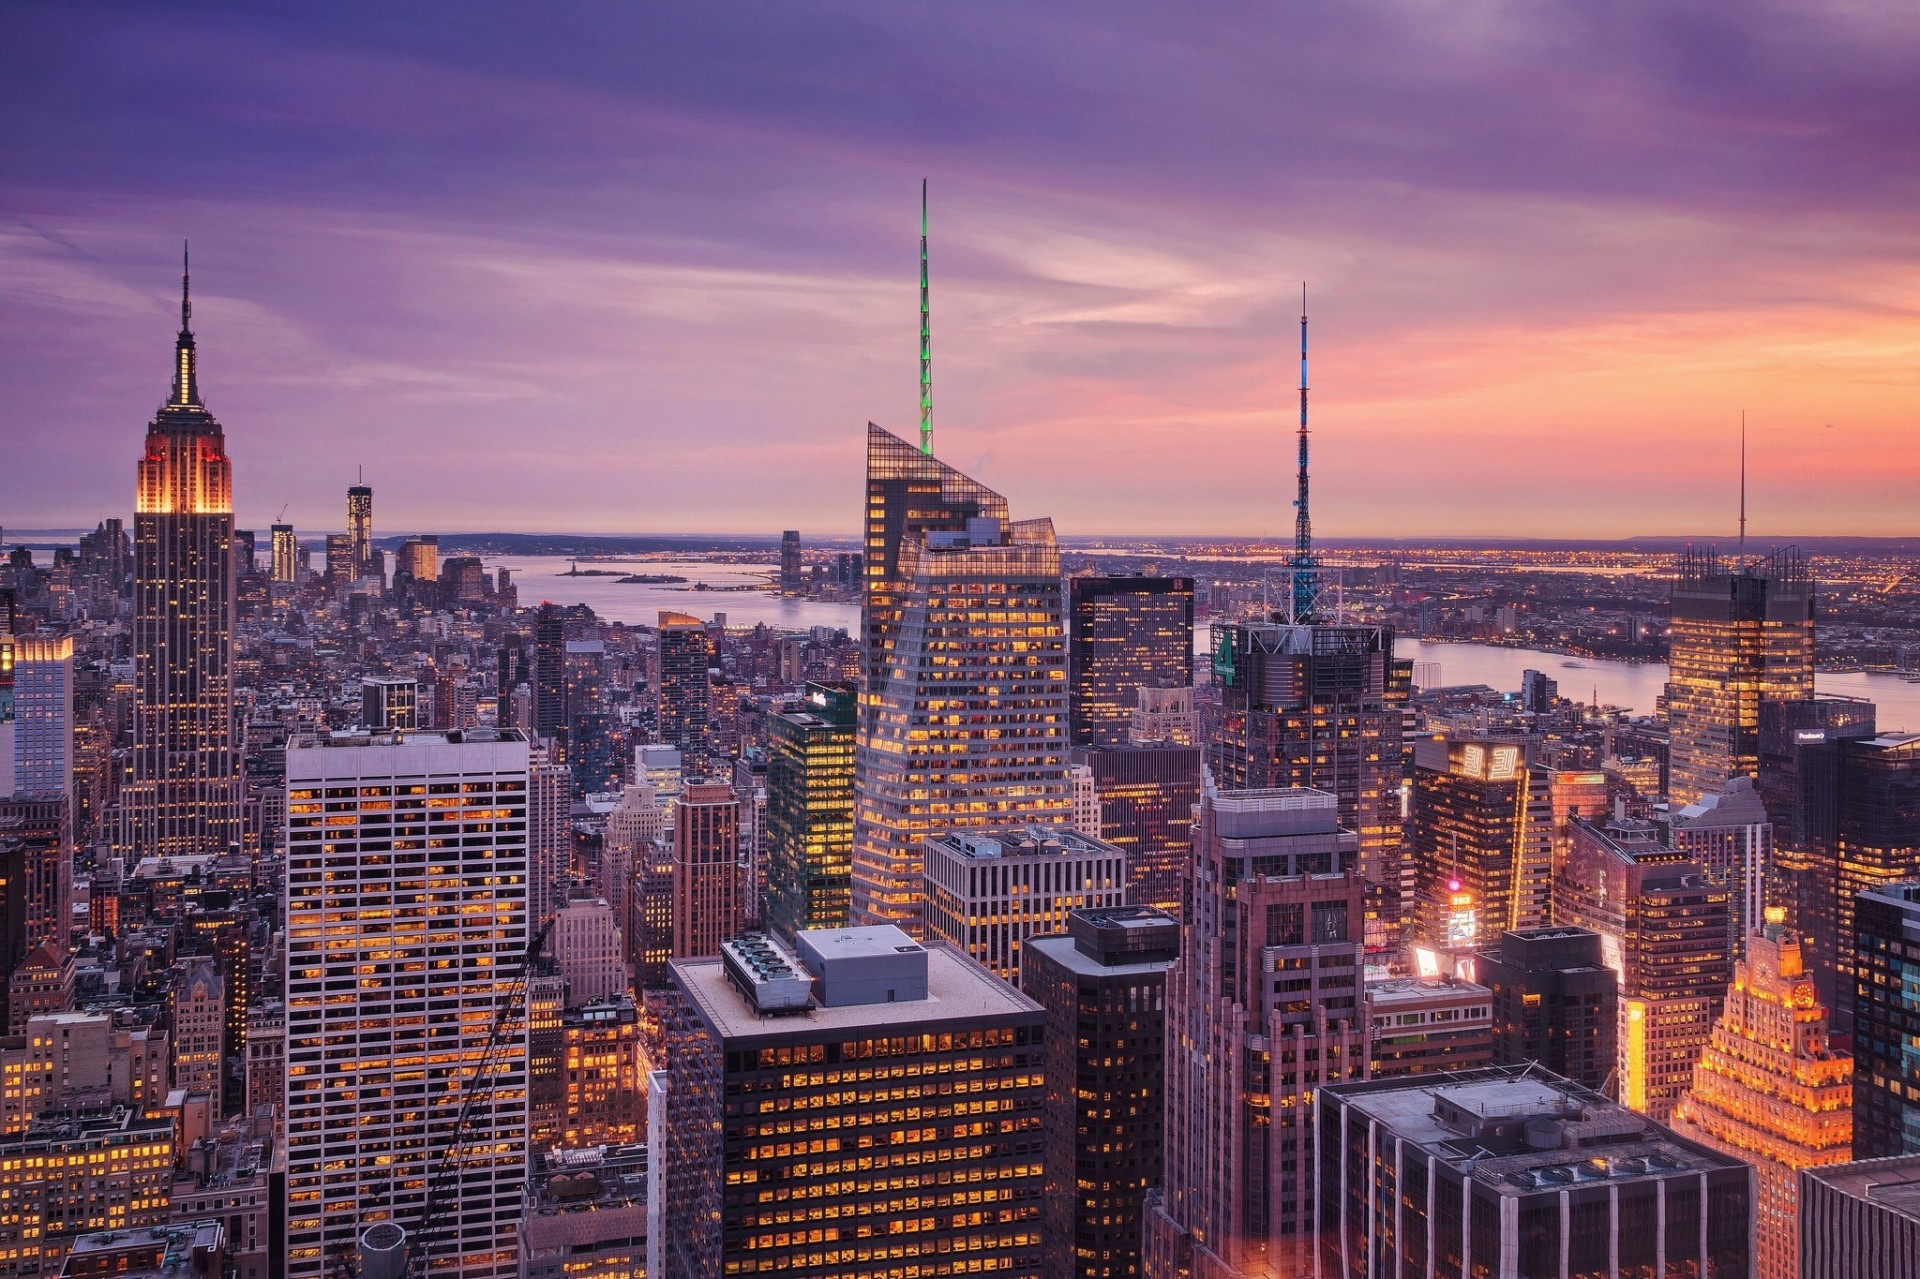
(708, 896)
(1555, 1001)
(1728, 834)
(1663, 930)
(1124, 634)
(1886, 1021)
(1742, 634)
(1482, 830)
(1103, 984)
(360, 528)
(810, 812)
(1147, 794)
(184, 796)
(790, 570)
(987, 892)
(286, 555)
(686, 686)
(1878, 840)
(925, 1074)
(1263, 1009)
(963, 719)
(1771, 1091)
(550, 674)
(36, 715)
(407, 890)
(1320, 706)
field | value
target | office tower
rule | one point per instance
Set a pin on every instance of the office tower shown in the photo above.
(1125, 634)
(1263, 1009)
(75, 1174)
(586, 1215)
(587, 948)
(1663, 930)
(1573, 794)
(1799, 783)
(37, 778)
(1537, 692)
(550, 673)
(1083, 802)
(963, 718)
(1878, 839)
(419, 558)
(1164, 715)
(1147, 794)
(686, 685)
(342, 572)
(1424, 1025)
(1511, 1172)
(360, 528)
(184, 795)
(456, 702)
(988, 891)
(1320, 706)
(1886, 1021)
(707, 893)
(197, 1006)
(790, 572)
(894, 1029)
(1742, 634)
(390, 703)
(1728, 834)
(1482, 831)
(549, 844)
(810, 812)
(1861, 1219)
(634, 825)
(1555, 1002)
(1771, 1091)
(1103, 985)
(416, 907)
(285, 563)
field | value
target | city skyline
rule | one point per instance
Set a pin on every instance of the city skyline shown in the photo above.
(1694, 216)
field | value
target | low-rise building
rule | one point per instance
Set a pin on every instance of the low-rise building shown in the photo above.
(586, 1215)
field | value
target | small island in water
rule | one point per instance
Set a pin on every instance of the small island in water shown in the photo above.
(649, 579)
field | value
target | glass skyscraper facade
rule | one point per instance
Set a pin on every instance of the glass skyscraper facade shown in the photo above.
(810, 812)
(1124, 634)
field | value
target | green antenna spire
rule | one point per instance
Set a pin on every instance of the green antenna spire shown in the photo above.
(926, 337)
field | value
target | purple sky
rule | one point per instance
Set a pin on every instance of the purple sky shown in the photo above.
(652, 267)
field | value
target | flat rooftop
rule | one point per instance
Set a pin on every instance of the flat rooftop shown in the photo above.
(1061, 948)
(958, 989)
(1892, 1183)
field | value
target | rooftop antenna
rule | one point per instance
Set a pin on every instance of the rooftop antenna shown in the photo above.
(186, 296)
(1303, 566)
(926, 337)
(1743, 488)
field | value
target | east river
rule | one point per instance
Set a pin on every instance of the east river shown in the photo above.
(1618, 683)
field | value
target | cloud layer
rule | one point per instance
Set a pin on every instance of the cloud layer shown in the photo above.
(624, 268)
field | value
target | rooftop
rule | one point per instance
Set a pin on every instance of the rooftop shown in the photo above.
(1020, 841)
(958, 989)
(1892, 1183)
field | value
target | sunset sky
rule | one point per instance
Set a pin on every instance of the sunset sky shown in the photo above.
(632, 267)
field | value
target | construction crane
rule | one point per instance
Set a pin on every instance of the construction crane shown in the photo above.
(440, 1182)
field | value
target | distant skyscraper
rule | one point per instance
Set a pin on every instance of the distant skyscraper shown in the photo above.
(360, 528)
(1320, 706)
(389, 702)
(342, 572)
(963, 719)
(1878, 841)
(1555, 1001)
(1482, 832)
(1125, 634)
(988, 891)
(708, 896)
(1263, 1009)
(36, 715)
(889, 1030)
(1537, 692)
(1742, 634)
(549, 842)
(790, 570)
(425, 983)
(1771, 1091)
(1147, 795)
(686, 686)
(810, 812)
(550, 673)
(184, 796)
(1728, 833)
(1103, 986)
(1663, 929)
(286, 555)
(1886, 1021)
(1799, 783)
(1495, 1173)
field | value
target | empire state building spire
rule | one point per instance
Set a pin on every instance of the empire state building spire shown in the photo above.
(186, 381)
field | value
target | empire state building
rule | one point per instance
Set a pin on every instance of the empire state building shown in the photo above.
(185, 793)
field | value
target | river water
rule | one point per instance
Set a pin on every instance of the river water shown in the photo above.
(1618, 683)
